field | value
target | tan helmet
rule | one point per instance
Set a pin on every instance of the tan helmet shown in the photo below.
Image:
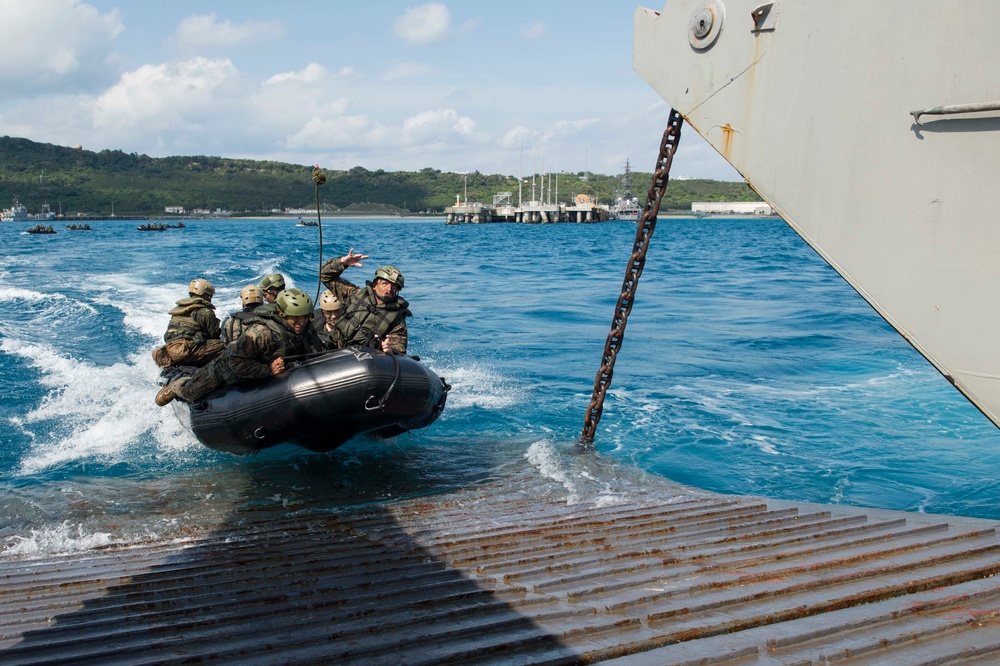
(251, 294)
(330, 303)
(201, 287)
(390, 274)
(294, 303)
(273, 281)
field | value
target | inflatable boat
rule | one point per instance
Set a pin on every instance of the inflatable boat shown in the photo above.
(318, 403)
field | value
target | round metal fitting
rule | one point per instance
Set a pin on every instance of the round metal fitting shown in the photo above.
(706, 24)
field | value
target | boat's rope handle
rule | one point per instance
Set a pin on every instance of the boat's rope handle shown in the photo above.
(380, 404)
(951, 109)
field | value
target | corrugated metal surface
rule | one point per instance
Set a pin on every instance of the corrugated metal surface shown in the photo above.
(499, 574)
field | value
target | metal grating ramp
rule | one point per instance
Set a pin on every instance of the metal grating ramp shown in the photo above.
(504, 573)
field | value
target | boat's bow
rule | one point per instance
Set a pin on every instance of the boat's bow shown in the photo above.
(812, 102)
(320, 403)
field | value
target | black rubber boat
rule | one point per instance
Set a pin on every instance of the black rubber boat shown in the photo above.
(319, 403)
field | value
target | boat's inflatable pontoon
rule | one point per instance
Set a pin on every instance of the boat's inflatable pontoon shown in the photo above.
(319, 403)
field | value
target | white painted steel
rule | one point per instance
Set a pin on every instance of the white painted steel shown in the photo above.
(815, 114)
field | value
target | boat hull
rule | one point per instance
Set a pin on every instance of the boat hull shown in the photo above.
(319, 404)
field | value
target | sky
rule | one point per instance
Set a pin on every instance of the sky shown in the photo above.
(496, 87)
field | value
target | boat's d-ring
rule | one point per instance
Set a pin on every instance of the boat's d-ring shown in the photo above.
(259, 433)
(371, 408)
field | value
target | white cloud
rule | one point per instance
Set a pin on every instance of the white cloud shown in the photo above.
(172, 98)
(203, 33)
(406, 70)
(441, 125)
(563, 129)
(338, 132)
(535, 31)
(311, 73)
(515, 137)
(81, 56)
(425, 24)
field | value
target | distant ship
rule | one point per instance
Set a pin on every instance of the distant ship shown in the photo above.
(873, 130)
(16, 213)
(626, 206)
(45, 214)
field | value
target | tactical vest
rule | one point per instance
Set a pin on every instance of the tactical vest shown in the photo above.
(365, 319)
(282, 334)
(235, 324)
(182, 322)
(330, 339)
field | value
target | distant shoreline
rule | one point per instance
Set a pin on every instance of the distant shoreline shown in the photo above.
(368, 216)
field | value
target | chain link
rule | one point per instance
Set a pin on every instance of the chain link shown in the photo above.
(644, 232)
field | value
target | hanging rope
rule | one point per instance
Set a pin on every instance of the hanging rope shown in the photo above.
(319, 178)
(643, 233)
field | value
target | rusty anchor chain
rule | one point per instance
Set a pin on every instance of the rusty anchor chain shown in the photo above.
(643, 234)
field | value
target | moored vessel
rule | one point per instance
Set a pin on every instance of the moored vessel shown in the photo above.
(16, 213)
(626, 206)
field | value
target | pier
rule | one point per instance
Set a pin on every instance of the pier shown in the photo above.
(517, 570)
(584, 209)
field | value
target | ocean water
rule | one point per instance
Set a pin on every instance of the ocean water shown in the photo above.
(748, 367)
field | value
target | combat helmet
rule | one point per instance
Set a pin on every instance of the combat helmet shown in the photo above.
(390, 273)
(329, 302)
(273, 281)
(251, 294)
(201, 287)
(293, 303)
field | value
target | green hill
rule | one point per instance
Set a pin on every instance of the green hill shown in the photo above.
(73, 180)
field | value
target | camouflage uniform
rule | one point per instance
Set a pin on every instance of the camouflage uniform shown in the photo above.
(266, 338)
(236, 323)
(192, 336)
(365, 320)
(330, 339)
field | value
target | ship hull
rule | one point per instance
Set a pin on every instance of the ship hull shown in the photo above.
(812, 104)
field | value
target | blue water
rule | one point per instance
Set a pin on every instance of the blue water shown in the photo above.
(748, 367)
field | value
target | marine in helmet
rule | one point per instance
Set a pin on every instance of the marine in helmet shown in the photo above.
(272, 285)
(192, 336)
(257, 354)
(325, 320)
(374, 315)
(251, 297)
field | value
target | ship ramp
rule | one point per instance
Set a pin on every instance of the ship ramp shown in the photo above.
(518, 570)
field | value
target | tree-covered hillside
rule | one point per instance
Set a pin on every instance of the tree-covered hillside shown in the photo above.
(73, 180)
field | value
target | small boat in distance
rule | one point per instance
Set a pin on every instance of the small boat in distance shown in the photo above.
(626, 206)
(308, 223)
(46, 213)
(40, 229)
(16, 213)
